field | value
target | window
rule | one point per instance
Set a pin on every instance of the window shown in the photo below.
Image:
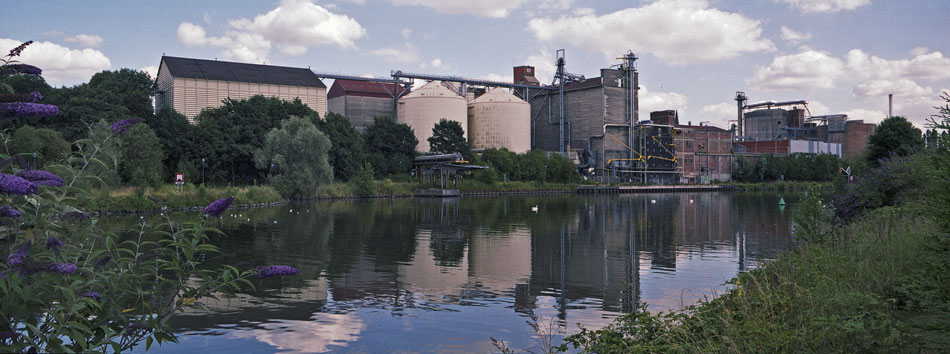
(712, 146)
(689, 144)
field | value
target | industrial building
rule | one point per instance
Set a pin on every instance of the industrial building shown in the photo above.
(362, 101)
(768, 128)
(191, 85)
(499, 119)
(597, 118)
(703, 152)
(422, 108)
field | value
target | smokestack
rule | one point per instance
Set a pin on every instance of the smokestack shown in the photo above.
(890, 105)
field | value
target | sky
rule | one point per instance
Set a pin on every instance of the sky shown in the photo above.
(842, 56)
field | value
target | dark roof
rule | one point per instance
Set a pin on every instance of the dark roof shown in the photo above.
(240, 72)
(363, 88)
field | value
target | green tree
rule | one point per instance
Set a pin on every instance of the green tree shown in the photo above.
(346, 154)
(228, 136)
(178, 139)
(390, 146)
(895, 135)
(298, 152)
(47, 144)
(448, 137)
(141, 154)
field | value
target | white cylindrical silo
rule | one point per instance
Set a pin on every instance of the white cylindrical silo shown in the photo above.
(422, 108)
(499, 119)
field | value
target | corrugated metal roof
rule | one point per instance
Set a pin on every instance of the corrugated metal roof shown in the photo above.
(363, 88)
(240, 72)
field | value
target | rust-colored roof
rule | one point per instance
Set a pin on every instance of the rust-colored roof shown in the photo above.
(363, 88)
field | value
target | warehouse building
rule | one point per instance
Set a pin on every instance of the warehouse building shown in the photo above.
(362, 101)
(191, 85)
(703, 152)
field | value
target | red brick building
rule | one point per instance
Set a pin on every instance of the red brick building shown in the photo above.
(704, 153)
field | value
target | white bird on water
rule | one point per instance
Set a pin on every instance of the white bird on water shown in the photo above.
(691, 201)
(534, 208)
(652, 201)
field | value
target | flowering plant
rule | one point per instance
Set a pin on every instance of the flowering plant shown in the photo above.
(90, 289)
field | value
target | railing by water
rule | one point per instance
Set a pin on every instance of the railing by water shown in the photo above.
(654, 189)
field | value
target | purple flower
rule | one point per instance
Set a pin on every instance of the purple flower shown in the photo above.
(3, 275)
(19, 254)
(7, 211)
(63, 268)
(93, 295)
(15, 52)
(21, 109)
(217, 207)
(11, 184)
(53, 243)
(123, 125)
(102, 261)
(36, 96)
(275, 271)
(41, 177)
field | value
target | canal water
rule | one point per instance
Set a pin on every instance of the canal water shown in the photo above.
(432, 275)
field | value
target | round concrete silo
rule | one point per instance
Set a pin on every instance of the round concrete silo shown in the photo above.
(499, 119)
(422, 108)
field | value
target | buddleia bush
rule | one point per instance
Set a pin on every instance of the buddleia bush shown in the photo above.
(68, 285)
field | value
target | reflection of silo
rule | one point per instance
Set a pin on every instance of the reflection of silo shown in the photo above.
(766, 124)
(423, 108)
(497, 120)
(856, 134)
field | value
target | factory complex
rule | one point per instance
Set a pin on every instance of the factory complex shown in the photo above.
(594, 121)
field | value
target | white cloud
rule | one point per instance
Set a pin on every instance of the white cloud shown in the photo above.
(806, 70)
(675, 31)
(206, 18)
(719, 114)
(151, 70)
(868, 115)
(826, 5)
(53, 33)
(793, 37)
(919, 51)
(484, 8)
(87, 40)
(293, 27)
(406, 31)
(61, 65)
(660, 101)
(817, 108)
(407, 53)
(496, 77)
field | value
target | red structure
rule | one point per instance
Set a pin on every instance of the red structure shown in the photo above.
(703, 153)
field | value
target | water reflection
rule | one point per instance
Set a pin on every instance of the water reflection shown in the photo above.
(444, 275)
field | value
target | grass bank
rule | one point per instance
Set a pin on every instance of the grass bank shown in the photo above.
(881, 284)
(128, 199)
(780, 186)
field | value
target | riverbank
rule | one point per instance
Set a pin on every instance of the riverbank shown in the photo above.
(780, 186)
(881, 284)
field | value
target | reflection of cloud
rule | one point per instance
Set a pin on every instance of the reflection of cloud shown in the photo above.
(325, 330)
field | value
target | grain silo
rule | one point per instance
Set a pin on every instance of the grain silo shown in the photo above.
(422, 108)
(499, 119)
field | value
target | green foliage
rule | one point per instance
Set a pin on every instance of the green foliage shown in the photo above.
(794, 167)
(141, 278)
(140, 163)
(103, 167)
(298, 152)
(346, 154)
(895, 135)
(534, 165)
(228, 137)
(448, 137)
(48, 145)
(177, 137)
(363, 181)
(390, 146)
(109, 95)
(811, 219)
